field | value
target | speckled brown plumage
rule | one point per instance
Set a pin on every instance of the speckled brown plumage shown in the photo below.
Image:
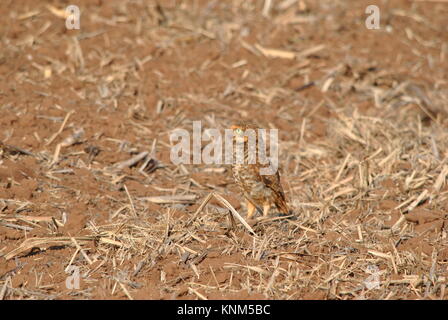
(260, 191)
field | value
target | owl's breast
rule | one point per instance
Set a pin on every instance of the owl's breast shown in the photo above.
(250, 183)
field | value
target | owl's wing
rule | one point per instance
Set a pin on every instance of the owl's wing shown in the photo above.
(273, 183)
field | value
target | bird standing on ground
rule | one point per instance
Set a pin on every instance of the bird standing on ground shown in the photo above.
(260, 191)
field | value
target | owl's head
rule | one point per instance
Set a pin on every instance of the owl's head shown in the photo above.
(239, 131)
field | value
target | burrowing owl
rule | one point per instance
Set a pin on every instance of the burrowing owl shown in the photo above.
(259, 190)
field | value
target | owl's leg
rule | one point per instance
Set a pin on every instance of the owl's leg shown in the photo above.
(250, 209)
(266, 208)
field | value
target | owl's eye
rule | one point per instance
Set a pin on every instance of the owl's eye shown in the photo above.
(238, 131)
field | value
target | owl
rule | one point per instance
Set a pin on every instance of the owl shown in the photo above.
(259, 190)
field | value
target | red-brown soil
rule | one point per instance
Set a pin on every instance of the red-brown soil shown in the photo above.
(363, 149)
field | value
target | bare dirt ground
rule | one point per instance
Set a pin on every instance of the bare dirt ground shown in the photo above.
(363, 149)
